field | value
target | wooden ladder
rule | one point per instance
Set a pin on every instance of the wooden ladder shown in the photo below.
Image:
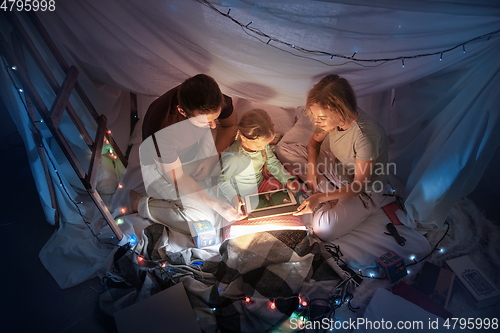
(52, 117)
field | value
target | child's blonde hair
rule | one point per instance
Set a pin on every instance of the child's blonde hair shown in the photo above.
(256, 123)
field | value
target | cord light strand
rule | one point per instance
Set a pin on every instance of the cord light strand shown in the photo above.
(266, 39)
(52, 163)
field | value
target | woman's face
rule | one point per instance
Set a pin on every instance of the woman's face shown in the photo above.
(256, 145)
(325, 119)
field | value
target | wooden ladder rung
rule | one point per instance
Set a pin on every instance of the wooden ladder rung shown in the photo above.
(51, 80)
(95, 160)
(31, 91)
(106, 214)
(62, 98)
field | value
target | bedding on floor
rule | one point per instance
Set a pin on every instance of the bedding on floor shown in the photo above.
(251, 285)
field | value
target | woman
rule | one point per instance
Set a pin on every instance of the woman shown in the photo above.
(355, 163)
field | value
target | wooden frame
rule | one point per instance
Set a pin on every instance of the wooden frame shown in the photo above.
(61, 103)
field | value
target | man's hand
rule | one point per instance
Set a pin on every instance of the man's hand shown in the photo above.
(228, 212)
(204, 169)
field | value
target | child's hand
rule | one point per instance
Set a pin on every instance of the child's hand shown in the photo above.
(292, 185)
(239, 205)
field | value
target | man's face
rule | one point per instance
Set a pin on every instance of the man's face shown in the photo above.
(203, 120)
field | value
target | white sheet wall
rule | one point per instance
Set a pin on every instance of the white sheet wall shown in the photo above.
(441, 116)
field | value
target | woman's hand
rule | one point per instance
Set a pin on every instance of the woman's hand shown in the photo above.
(312, 179)
(308, 205)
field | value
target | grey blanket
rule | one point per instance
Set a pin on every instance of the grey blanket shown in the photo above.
(253, 284)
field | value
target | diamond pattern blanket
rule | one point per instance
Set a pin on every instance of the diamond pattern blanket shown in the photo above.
(253, 284)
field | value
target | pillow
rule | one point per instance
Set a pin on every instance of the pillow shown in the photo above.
(283, 118)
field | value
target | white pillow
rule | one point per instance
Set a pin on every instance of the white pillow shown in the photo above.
(283, 118)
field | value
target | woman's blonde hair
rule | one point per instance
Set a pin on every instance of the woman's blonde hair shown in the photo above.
(256, 123)
(335, 94)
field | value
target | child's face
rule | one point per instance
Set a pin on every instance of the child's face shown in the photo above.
(255, 145)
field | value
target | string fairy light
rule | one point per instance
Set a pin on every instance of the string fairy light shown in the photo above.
(52, 163)
(267, 39)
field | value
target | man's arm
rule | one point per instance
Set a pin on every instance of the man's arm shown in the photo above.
(226, 133)
(225, 137)
(188, 187)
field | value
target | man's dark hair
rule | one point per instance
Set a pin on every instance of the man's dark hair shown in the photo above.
(201, 93)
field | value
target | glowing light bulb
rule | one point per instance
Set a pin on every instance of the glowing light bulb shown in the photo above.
(123, 210)
(164, 264)
(247, 299)
(412, 258)
(272, 305)
(119, 221)
(132, 239)
(13, 68)
(108, 131)
(140, 259)
(120, 186)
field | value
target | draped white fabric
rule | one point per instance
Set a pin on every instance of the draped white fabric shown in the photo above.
(441, 115)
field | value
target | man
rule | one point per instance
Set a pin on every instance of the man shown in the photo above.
(178, 153)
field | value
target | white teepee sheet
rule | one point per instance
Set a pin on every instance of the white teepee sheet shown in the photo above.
(441, 115)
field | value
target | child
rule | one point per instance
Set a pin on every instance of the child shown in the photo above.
(248, 165)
